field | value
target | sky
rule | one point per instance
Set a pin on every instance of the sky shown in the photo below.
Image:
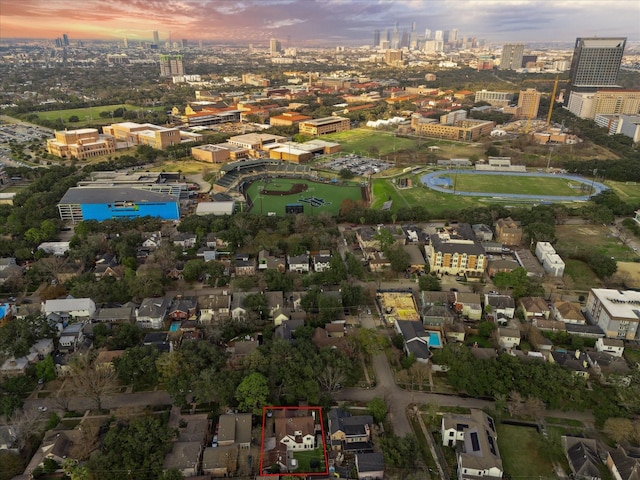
(307, 22)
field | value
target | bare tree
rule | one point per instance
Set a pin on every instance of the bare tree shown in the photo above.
(331, 378)
(87, 443)
(91, 380)
(62, 400)
(514, 404)
(24, 423)
(534, 407)
(419, 372)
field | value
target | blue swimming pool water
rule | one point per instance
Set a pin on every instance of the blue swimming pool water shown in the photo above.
(174, 326)
(434, 340)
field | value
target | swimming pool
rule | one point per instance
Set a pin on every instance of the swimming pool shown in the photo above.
(434, 340)
(174, 326)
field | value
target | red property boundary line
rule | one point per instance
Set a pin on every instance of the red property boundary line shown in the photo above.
(324, 445)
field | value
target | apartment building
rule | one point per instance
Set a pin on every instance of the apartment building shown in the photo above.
(455, 251)
(465, 130)
(616, 312)
(606, 102)
(508, 231)
(528, 103)
(80, 144)
(496, 99)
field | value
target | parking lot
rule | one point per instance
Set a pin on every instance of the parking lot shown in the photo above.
(359, 166)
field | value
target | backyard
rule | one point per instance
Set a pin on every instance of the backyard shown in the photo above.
(310, 461)
(523, 452)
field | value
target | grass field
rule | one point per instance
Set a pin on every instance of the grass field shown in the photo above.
(520, 448)
(187, 167)
(514, 184)
(332, 195)
(91, 115)
(597, 237)
(384, 144)
(627, 192)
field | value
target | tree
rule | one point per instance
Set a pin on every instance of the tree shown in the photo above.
(346, 174)
(137, 367)
(331, 378)
(252, 393)
(132, 450)
(377, 408)
(45, 369)
(12, 464)
(430, 283)
(398, 258)
(368, 341)
(91, 380)
(398, 451)
(620, 430)
(74, 119)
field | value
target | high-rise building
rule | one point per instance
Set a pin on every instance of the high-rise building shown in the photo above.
(185, 43)
(65, 40)
(58, 42)
(171, 65)
(376, 38)
(427, 34)
(453, 36)
(275, 47)
(528, 103)
(596, 63)
(439, 35)
(156, 38)
(125, 42)
(512, 56)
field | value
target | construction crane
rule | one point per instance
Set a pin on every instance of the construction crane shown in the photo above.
(553, 100)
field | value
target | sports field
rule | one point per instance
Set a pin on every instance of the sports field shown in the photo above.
(91, 115)
(516, 184)
(317, 198)
(627, 191)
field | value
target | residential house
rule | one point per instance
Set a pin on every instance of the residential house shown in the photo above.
(152, 240)
(152, 312)
(508, 337)
(56, 445)
(624, 461)
(275, 302)
(468, 304)
(436, 309)
(576, 361)
(613, 370)
(238, 311)
(476, 441)
(281, 315)
(483, 232)
(496, 266)
(184, 457)
(349, 433)
(415, 338)
(214, 308)
(322, 261)
(584, 330)
(321, 338)
(611, 346)
(370, 466)
(7, 262)
(501, 307)
(378, 262)
(105, 358)
(123, 314)
(615, 312)
(107, 266)
(245, 266)
(286, 329)
(216, 460)
(534, 307)
(184, 240)
(455, 251)
(266, 261)
(549, 325)
(508, 231)
(299, 263)
(368, 238)
(43, 347)
(567, 312)
(182, 308)
(295, 433)
(70, 308)
(160, 340)
(481, 353)
(235, 429)
(71, 337)
(11, 272)
(239, 349)
(582, 454)
(8, 439)
(416, 259)
(14, 367)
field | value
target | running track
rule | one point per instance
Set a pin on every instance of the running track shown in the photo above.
(429, 181)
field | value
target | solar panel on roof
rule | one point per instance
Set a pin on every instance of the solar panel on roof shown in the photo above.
(475, 443)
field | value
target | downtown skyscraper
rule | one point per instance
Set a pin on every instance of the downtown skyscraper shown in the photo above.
(596, 63)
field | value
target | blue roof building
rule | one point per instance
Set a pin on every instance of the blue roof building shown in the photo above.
(99, 204)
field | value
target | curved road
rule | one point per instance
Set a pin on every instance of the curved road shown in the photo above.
(429, 181)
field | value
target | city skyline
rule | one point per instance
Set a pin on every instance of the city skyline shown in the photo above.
(315, 22)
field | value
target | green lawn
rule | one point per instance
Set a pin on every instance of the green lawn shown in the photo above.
(332, 195)
(632, 355)
(372, 142)
(582, 276)
(305, 457)
(629, 193)
(91, 115)
(521, 451)
(596, 237)
(514, 184)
